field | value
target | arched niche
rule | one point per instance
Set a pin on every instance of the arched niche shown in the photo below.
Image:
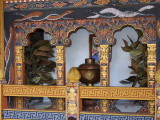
(79, 48)
(148, 38)
(103, 28)
(38, 58)
(144, 39)
(39, 65)
(121, 59)
(26, 40)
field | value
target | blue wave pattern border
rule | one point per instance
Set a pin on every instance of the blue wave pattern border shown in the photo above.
(33, 115)
(113, 117)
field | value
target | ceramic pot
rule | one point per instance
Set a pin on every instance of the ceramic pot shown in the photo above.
(90, 72)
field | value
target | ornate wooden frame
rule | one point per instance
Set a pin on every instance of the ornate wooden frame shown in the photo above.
(1, 36)
(104, 30)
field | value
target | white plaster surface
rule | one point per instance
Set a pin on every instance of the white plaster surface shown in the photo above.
(79, 50)
(120, 60)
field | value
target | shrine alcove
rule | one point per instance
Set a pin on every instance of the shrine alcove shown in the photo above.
(79, 49)
(68, 26)
(40, 68)
(120, 60)
(75, 55)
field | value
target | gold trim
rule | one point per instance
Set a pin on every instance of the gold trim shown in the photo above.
(19, 70)
(127, 93)
(85, 92)
(120, 114)
(60, 65)
(104, 65)
(34, 91)
(151, 107)
(151, 64)
(73, 105)
(2, 36)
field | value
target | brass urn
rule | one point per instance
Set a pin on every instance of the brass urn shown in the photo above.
(90, 72)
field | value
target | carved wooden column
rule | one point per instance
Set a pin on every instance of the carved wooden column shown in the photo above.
(104, 73)
(19, 73)
(151, 64)
(151, 69)
(60, 66)
(1, 102)
(1, 36)
(104, 65)
(72, 95)
(157, 100)
(157, 93)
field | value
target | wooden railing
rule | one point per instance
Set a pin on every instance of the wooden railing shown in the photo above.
(129, 93)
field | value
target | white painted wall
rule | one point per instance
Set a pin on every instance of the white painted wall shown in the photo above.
(121, 60)
(119, 67)
(79, 50)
